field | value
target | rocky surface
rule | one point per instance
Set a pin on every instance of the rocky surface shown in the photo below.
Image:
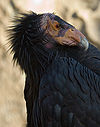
(12, 104)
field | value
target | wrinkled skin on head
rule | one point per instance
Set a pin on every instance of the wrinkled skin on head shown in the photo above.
(62, 32)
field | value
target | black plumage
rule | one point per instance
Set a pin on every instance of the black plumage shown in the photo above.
(68, 84)
(37, 44)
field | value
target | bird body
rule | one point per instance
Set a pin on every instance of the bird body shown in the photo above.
(68, 84)
(57, 61)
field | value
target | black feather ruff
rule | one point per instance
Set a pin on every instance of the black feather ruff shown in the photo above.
(25, 36)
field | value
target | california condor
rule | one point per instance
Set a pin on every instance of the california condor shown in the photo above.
(58, 61)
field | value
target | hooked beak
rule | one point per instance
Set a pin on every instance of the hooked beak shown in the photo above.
(84, 43)
(73, 37)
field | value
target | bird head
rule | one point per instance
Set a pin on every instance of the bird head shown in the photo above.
(60, 32)
(34, 36)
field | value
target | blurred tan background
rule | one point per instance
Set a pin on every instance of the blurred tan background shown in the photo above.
(84, 14)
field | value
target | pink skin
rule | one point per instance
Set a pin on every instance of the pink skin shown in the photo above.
(48, 45)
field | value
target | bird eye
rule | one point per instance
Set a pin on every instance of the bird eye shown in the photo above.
(57, 26)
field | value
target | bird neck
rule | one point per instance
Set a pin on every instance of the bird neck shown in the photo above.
(40, 58)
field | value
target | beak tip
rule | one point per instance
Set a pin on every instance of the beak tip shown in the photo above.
(84, 43)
